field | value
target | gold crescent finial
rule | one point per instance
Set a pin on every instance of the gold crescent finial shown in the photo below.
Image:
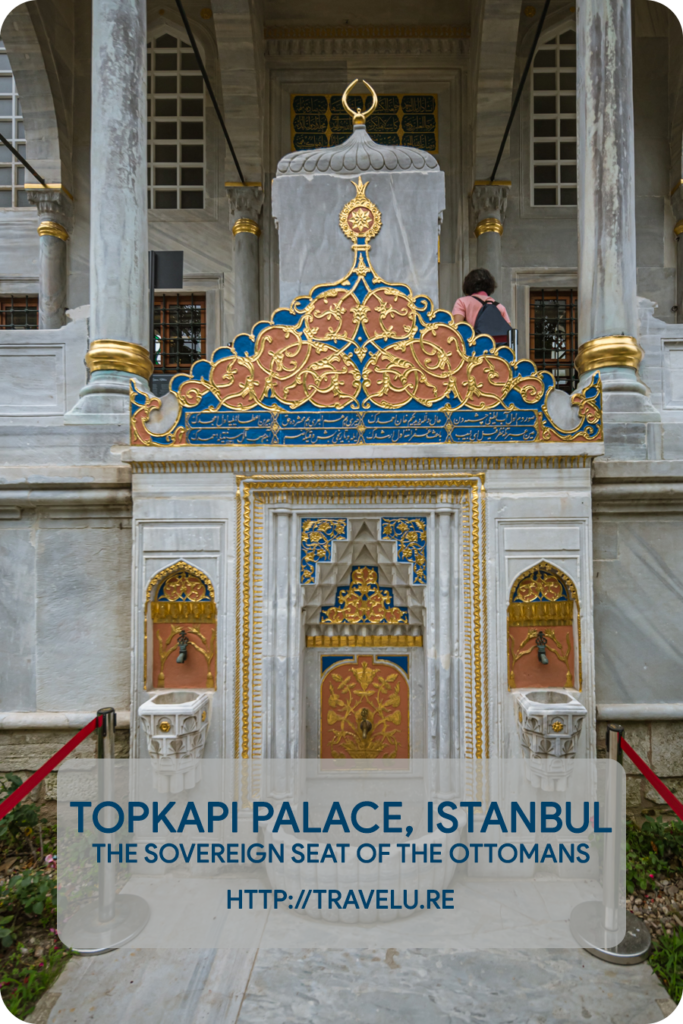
(358, 116)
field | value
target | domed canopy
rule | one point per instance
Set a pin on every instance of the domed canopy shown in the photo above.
(357, 155)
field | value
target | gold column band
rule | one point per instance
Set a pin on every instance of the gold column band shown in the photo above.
(678, 228)
(244, 224)
(615, 350)
(119, 355)
(51, 227)
(490, 224)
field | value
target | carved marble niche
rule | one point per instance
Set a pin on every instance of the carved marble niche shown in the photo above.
(180, 630)
(364, 587)
(544, 630)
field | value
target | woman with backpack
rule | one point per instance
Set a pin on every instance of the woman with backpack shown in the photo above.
(482, 313)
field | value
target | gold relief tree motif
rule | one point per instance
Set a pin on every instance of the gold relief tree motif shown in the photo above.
(411, 537)
(364, 601)
(316, 543)
(365, 711)
(560, 646)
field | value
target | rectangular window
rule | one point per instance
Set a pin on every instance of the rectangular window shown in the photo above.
(553, 118)
(12, 127)
(18, 312)
(400, 120)
(175, 113)
(179, 332)
(553, 333)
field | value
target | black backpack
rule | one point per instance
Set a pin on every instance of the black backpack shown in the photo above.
(490, 320)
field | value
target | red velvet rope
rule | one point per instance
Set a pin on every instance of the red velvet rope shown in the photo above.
(18, 795)
(656, 783)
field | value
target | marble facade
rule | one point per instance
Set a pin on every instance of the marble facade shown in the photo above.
(75, 626)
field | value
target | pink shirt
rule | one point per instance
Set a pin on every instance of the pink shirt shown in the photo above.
(468, 307)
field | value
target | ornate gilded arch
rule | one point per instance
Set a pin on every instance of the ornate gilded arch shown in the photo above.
(544, 616)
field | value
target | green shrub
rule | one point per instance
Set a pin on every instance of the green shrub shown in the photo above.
(667, 962)
(654, 848)
(28, 897)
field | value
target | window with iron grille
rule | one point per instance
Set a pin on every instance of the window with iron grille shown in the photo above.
(553, 333)
(175, 126)
(18, 312)
(553, 105)
(179, 332)
(12, 127)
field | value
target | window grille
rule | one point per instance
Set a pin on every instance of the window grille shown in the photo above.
(18, 312)
(175, 126)
(179, 332)
(553, 333)
(12, 127)
(553, 105)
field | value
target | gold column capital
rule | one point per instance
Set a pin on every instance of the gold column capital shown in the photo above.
(51, 227)
(489, 224)
(246, 225)
(106, 354)
(613, 350)
(678, 228)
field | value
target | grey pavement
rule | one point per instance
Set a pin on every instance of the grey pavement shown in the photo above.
(174, 986)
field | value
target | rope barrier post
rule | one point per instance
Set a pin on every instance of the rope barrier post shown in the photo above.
(595, 925)
(105, 781)
(114, 919)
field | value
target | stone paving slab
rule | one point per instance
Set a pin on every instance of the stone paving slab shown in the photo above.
(340, 987)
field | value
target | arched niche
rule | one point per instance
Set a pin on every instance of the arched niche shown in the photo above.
(44, 89)
(544, 621)
(180, 618)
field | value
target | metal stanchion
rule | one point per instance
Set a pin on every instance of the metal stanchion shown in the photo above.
(113, 919)
(595, 925)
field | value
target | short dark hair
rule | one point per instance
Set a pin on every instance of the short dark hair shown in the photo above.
(479, 280)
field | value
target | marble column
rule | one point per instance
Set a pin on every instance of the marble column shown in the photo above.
(54, 215)
(246, 202)
(677, 205)
(442, 654)
(119, 328)
(489, 203)
(607, 289)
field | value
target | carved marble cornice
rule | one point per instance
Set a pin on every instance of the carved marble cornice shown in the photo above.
(333, 47)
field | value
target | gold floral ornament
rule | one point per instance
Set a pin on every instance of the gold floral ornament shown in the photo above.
(411, 538)
(183, 587)
(364, 601)
(360, 218)
(365, 711)
(316, 543)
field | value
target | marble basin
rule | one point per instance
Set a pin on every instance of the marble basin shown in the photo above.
(176, 723)
(549, 724)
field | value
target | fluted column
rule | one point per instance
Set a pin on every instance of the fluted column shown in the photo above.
(119, 329)
(608, 318)
(54, 216)
(489, 203)
(246, 202)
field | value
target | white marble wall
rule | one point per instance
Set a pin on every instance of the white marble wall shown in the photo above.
(537, 515)
(190, 516)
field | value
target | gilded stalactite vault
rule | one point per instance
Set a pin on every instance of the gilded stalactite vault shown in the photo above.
(362, 361)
